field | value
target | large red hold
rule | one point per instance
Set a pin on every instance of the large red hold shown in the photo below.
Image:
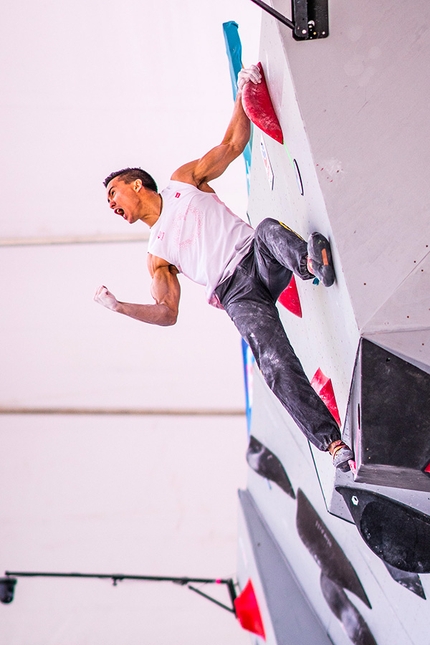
(258, 107)
(324, 388)
(290, 299)
(247, 611)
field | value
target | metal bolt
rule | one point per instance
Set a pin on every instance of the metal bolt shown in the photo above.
(354, 500)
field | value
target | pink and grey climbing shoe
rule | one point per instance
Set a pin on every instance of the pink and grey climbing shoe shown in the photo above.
(342, 455)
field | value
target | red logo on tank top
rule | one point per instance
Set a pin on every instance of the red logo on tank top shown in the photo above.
(160, 235)
(177, 195)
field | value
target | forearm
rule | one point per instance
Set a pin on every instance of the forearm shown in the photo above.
(165, 290)
(158, 314)
(239, 129)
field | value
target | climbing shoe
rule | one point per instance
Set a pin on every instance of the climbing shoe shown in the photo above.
(320, 262)
(341, 455)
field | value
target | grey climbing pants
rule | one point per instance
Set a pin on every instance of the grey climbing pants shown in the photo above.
(249, 298)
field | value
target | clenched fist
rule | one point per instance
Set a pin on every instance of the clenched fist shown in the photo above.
(104, 297)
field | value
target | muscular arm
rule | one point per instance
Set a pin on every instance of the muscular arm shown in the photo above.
(214, 162)
(165, 290)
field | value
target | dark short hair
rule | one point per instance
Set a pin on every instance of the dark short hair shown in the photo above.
(128, 175)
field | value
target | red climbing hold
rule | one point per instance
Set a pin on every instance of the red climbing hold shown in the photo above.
(247, 611)
(258, 107)
(290, 299)
(324, 388)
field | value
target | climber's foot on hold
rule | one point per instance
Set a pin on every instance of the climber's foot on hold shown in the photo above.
(342, 455)
(320, 262)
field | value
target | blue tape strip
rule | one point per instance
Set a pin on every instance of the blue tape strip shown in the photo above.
(234, 55)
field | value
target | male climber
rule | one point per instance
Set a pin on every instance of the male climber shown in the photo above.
(244, 270)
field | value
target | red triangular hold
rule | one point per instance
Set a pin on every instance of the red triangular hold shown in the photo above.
(290, 299)
(247, 611)
(258, 107)
(324, 388)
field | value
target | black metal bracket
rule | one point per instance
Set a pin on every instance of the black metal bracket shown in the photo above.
(205, 595)
(310, 18)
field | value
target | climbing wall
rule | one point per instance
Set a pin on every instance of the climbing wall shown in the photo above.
(352, 108)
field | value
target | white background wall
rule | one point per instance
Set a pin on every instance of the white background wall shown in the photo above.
(142, 496)
(88, 88)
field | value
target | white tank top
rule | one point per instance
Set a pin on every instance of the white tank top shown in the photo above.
(200, 236)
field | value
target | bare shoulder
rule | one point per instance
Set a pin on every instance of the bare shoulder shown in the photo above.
(187, 174)
(154, 263)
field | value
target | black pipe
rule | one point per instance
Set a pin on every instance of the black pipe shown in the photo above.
(115, 577)
(274, 13)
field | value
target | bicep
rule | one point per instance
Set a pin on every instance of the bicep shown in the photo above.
(165, 287)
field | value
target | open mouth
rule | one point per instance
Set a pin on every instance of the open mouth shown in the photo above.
(119, 211)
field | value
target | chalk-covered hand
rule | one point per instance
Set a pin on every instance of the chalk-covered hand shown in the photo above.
(104, 297)
(250, 74)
